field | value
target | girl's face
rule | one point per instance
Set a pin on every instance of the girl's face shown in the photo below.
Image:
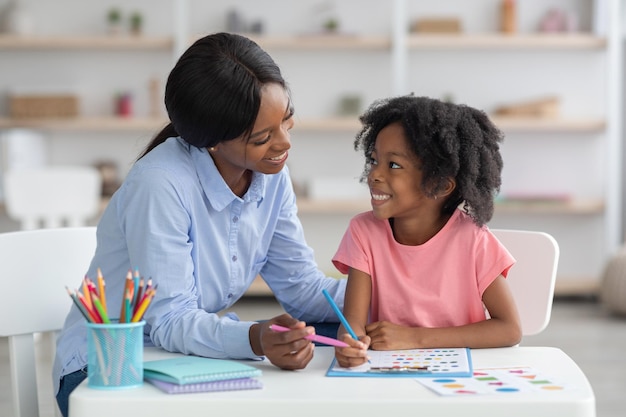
(266, 149)
(395, 178)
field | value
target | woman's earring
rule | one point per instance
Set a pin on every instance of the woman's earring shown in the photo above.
(212, 149)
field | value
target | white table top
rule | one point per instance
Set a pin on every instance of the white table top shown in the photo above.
(309, 392)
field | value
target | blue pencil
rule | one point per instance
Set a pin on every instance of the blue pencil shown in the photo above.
(339, 314)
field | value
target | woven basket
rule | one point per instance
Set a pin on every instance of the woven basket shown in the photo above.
(613, 286)
(46, 106)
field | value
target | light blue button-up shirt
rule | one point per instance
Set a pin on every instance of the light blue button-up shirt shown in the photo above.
(177, 222)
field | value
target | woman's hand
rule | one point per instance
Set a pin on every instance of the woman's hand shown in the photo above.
(286, 350)
(355, 354)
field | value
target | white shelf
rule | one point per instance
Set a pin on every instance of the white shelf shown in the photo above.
(316, 41)
(91, 124)
(507, 124)
(309, 206)
(329, 124)
(579, 207)
(502, 41)
(86, 42)
(565, 286)
(562, 125)
(434, 41)
(322, 42)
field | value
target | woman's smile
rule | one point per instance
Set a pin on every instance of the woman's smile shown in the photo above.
(278, 160)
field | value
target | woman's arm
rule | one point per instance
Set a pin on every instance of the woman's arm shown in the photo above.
(503, 328)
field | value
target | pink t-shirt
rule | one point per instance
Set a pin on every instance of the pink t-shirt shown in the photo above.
(437, 284)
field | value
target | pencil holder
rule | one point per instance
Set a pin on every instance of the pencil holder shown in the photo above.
(115, 355)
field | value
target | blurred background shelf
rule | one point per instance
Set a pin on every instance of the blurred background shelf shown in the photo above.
(498, 41)
(371, 54)
(85, 42)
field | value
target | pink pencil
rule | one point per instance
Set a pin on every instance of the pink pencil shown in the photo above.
(313, 337)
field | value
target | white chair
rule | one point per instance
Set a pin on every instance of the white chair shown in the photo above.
(53, 196)
(35, 268)
(533, 276)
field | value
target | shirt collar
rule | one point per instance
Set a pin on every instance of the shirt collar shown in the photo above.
(214, 186)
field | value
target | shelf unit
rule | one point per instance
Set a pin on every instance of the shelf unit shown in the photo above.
(325, 219)
(330, 124)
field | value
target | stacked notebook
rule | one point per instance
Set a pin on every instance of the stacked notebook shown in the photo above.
(186, 374)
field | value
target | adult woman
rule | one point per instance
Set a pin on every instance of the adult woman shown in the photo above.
(207, 207)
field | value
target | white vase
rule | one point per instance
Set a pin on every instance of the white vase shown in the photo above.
(16, 19)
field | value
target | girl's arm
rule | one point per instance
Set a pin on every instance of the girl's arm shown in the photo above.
(502, 329)
(356, 310)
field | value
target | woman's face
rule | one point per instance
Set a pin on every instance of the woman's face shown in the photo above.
(266, 149)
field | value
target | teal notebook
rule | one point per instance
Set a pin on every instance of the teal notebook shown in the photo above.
(195, 369)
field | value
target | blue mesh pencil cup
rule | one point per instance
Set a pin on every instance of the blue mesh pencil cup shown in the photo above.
(115, 355)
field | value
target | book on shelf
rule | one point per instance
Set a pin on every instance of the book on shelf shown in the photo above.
(188, 369)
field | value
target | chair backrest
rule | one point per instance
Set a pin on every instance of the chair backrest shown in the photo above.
(533, 276)
(36, 265)
(53, 196)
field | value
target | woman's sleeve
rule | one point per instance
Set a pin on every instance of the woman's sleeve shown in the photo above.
(156, 221)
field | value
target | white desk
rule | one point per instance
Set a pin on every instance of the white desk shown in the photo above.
(309, 392)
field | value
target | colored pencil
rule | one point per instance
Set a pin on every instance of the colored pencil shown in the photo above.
(138, 295)
(313, 337)
(128, 286)
(80, 307)
(342, 318)
(86, 292)
(103, 313)
(128, 306)
(136, 279)
(95, 318)
(144, 305)
(101, 289)
(135, 299)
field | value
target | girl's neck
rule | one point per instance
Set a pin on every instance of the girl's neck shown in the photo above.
(416, 232)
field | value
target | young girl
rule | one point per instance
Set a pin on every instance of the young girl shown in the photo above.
(422, 266)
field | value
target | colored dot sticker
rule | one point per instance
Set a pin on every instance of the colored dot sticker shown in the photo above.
(552, 388)
(452, 386)
(507, 389)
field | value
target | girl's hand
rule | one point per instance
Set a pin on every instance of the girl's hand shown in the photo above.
(389, 336)
(287, 350)
(355, 354)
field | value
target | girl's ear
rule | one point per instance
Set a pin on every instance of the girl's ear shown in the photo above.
(448, 186)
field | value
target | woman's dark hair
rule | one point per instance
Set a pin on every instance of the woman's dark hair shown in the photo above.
(450, 141)
(213, 93)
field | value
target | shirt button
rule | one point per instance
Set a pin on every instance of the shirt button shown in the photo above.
(234, 258)
(230, 296)
(235, 219)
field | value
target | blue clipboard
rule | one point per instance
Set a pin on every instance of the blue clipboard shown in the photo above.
(411, 363)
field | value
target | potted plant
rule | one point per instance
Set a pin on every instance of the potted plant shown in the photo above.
(331, 25)
(114, 20)
(136, 23)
